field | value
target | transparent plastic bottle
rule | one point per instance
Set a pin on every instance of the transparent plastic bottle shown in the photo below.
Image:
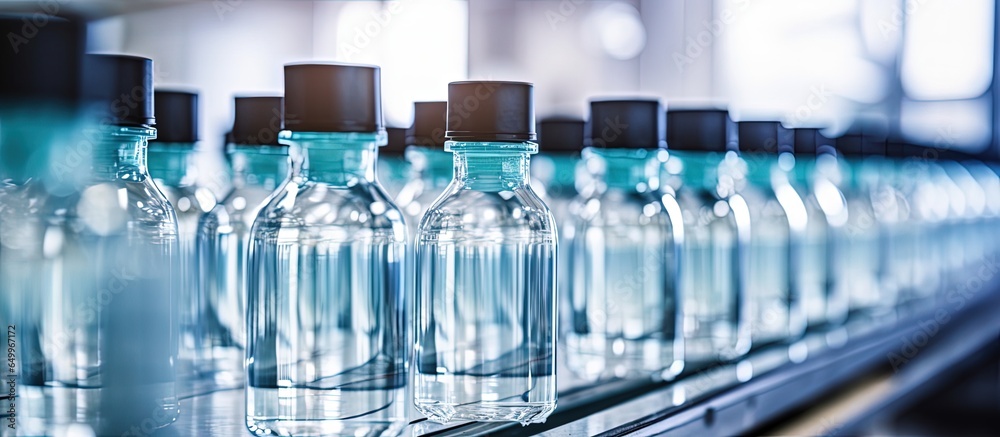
(626, 275)
(112, 269)
(778, 221)
(823, 302)
(430, 164)
(486, 261)
(326, 333)
(172, 162)
(257, 164)
(716, 318)
(393, 167)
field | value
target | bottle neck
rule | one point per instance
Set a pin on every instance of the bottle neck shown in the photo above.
(172, 163)
(491, 166)
(120, 154)
(432, 166)
(633, 170)
(338, 159)
(257, 166)
(698, 170)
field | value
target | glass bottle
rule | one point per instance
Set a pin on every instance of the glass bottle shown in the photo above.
(326, 335)
(554, 177)
(823, 301)
(257, 164)
(778, 220)
(393, 166)
(486, 260)
(430, 164)
(109, 327)
(625, 303)
(39, 118)
(716, 318)
(172, 162)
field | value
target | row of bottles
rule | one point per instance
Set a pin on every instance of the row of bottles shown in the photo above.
(647, 240)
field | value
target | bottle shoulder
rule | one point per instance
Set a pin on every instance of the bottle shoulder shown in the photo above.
(620, 207)
(460, 209)
(305, 204)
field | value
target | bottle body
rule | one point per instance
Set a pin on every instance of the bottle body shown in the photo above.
(716, 325)
(860, 262)
(326, 341)
(624, 297)
(111, 269)
(173, 168)
(486, 255)
(222, 250)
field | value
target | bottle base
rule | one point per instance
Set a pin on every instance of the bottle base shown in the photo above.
(282, 427)
(525, 413)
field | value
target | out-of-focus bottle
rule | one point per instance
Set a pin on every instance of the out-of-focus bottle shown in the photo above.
(625, 294)
(39, 121)
(716, 316)
(172, 162)
(257, 165)
(486, 261)
(864, 253)
(111, 258)
(393, 170)
(326, 332)
(988, 227)
(778, 221)
(967, 231)
(815, 259)
(555, 172)
(430, 165)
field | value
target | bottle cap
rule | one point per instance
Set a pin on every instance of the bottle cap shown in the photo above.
(41, 61)
(490, 111)
(764, 137)
(428, 124)
(700, 130)
(810, 141)
(332, 98)
(561, 134)
(177, 116)
(120, 88)
(632, 124)
(864, 140)
(257, 121)
(396, 146)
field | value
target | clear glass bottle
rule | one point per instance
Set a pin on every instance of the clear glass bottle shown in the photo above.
(823, 302)
(257, 165)
(716, 318)
(39, 118)
(486, 261)
(554, 175)
(112, 269)
(778, 220)
(172, 162)
(430, 164)
(861, 240)
(393, 166)
(626, 274)
(326, 334)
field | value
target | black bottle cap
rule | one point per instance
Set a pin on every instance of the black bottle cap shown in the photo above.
(120, 88)
(429, 124)
(396, 146)
(810, 141)
(177, 116)
(764, 137)
(41, 59)
(561, 135)
(700, 130)
(257, 121)
(633, 124)
(332, 98)
(491, 111)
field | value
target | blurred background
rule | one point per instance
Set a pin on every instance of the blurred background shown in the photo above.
(923, 68)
